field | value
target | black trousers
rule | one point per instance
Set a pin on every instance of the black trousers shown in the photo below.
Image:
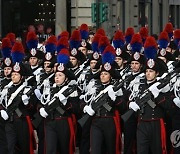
(85, 138)
(130, 128)
(3, 141)
(57, 136)
(103, 131)
(149, 137)
(40, 134)
(17, 132)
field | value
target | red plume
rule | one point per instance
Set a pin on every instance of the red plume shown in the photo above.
(96, 38)
(52, 39)
(129, 31)
(18, 47)
(150, 42)
(119, 35)
(6, 43)
(76, 36)
(11, 36)
(63, 41)
(103, 41)
(163, 35)
(169, 28)
(177, 34)
(136, 38)
(101, 32)
(144, 32)
(84, 27)
(31, 36)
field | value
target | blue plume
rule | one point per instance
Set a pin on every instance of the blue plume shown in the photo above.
(62, 58)
(95, 46)
(163, 43)
(136, 47)
(74, 44)
(118, 43)
(32, 44)
(150, 53)
(50, 47)
(6, 52)
(108, 57)
(60, 47)
(84, 34)
(17, 57)
(101, 49)
(128, 39)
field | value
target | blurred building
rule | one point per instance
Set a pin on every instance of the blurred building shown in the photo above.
(61, 15)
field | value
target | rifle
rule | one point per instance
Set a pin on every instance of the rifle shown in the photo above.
(100, 99)
(52, 105)
(81, 67)
(145, 98)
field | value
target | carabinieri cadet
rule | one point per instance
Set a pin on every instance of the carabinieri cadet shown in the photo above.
(15, 101)
(59, 127)
(102, 137)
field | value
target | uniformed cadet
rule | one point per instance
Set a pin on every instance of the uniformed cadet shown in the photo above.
(151, 129)
(77, 58)
(102, 137)
(59, 127)
(15, 101)
(7, 69)
(136, 65)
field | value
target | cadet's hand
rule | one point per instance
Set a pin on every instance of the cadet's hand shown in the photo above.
(4, 115)
(62, 98)
(88, 109)
(25, 99)
(134, 106)
(176, 101)
(37, 93)
(154, 90)
(43, 113)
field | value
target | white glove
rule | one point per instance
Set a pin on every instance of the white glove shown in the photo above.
(134, 106)
(119, 92)
(4, 115)
(166, 88)
(88, 109)
(154, 90)
(25, 99)
(62, 99)
(111, 92)
(43, 113)
(177, 101)
(37, 93)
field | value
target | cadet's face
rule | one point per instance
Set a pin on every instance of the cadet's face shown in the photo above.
(83, 50)
(151, 74)
(46, 68)
(59, 78)
(33, 61)
(105, 77)
(135, 66)
(73, 60)
(15, 77)
(119, 61)
(7, 71)
(93, 64)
